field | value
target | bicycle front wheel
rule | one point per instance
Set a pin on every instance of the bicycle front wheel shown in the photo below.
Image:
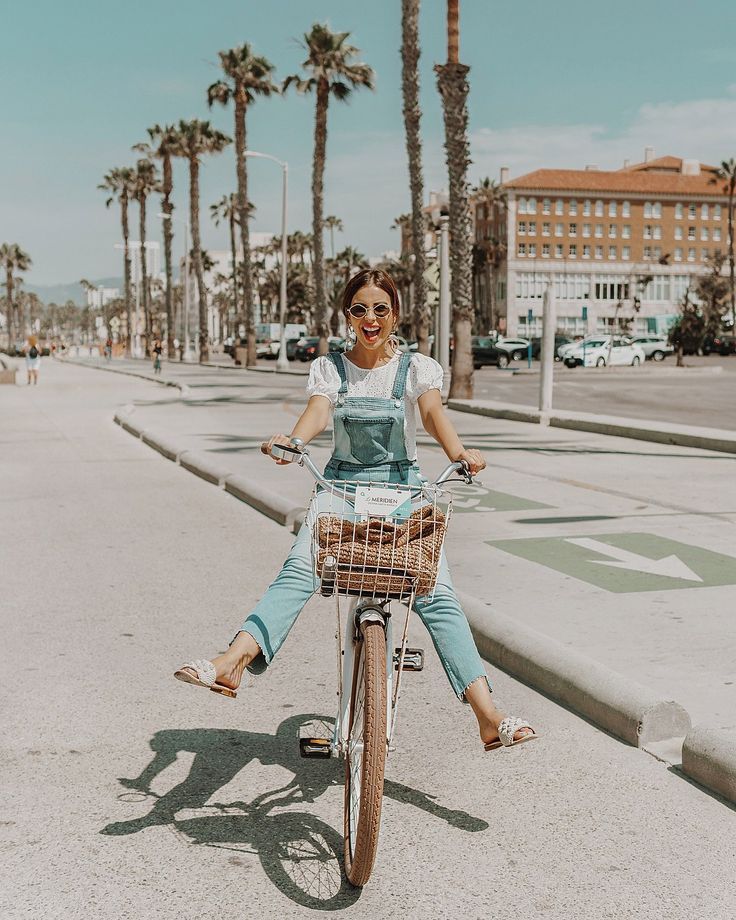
(365, 760)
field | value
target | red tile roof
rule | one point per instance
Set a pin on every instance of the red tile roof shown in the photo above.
(660, 176)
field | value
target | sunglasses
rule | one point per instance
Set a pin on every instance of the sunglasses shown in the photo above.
(358, 311)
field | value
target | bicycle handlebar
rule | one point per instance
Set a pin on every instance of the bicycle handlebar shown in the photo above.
(301, 456)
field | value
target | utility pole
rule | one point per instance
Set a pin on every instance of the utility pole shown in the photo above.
(547, 355)
(443, 325)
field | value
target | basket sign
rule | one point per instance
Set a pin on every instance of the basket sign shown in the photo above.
(377, 502)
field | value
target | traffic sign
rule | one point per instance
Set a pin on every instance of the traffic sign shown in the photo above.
(626, 563)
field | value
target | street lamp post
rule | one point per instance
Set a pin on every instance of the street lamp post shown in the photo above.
(283, 362)
(188, 355)
(443, 331)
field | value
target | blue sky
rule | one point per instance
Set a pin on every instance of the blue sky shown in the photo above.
(561, 84)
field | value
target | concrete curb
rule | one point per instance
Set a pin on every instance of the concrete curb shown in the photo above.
(709, 758)
(165, 446)
(628, 710)
(638, 429)
(276, 507)
(152, 378)
(203, 466)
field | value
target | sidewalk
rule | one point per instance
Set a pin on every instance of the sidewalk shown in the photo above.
(622, 553)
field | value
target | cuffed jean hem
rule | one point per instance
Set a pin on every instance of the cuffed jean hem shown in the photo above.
(461, 696)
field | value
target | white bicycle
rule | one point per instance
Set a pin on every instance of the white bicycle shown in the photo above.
(374, 543)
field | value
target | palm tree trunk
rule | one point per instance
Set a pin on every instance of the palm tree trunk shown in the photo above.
(412, 115)
(11, 317)
(490, 293)
(453, 86)
(318, 173)
(731, 272)
(234, 253)
(168, 208)
(204, 351)
(144, 271)
(242, 175)
(126, 272)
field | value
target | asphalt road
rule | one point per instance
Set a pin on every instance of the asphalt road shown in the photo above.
(129, 795)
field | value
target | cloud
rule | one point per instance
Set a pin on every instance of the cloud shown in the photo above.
(704, 129)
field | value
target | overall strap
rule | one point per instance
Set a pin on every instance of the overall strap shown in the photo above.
(401, 373)
(337, 360)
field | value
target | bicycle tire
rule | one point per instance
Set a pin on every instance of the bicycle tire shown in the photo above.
(365, 759)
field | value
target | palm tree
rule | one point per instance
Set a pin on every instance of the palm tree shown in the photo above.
(197, 138)
(489, 193)
(12, 259)
(332, 71)
(726, 173)
(247, 76)
(333, 223)
(452, 81)
(412, 115)
(163, 143)
(120, 183)
(227, 209)
(146, 182)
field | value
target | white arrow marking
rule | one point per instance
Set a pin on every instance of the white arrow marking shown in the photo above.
(669, 566)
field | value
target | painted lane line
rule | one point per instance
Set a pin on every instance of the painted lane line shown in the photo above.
(669, 566)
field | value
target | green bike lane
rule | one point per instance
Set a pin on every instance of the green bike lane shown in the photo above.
(621, 550)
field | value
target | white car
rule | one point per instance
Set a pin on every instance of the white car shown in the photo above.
(655, 347)
(564, 350)
(517, 349)
(594, 352)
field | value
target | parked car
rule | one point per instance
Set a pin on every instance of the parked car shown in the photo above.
(516, 348)
(560, 340)
(306, 349)
(291, 348)
(594, 352)
(486, 352)
(564, 350)
(725, 344)
(655, 347)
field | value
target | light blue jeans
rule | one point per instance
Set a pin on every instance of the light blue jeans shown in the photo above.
(276, 612)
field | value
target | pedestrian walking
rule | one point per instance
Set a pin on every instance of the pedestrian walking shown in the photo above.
(157, 352)
(108, 349)
(33, 359)
(369, 445)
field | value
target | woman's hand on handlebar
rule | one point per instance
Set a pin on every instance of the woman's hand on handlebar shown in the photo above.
(275, 439)
(474, 460)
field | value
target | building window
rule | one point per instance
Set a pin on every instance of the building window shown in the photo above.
(657, 209)
(647, 252)
(704, 212)
(522, 228)
(546, 228)
(532, 228)
(691, 211)
(599, 252)
(626, 209)
(678, 233)
(559, 229)
(716, 234)
(716, 212)
(559, 206)
(573, 251)
(546, 206)
(612, 231)
(531, 206)
(678, 253)
(522, 205)
(704, 254)
(691, 233)
(573, 207)
(691, 255)
(647, 209)
(657, 253)
(532, 250)
(679, 211)
(545, 250)
(647, 231)
(612, 252)
(521, 250)
(573, 230)
(586, 229)
(558, 250)
(586, 252)
(657, 232)
(599, 230)
(611, 208)
(703, 233)
(586, 207)
(626, 252)
(599, 208)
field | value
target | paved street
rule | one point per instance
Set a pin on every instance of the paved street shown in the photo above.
(129, 795)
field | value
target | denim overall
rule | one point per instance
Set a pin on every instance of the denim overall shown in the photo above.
(369, 447)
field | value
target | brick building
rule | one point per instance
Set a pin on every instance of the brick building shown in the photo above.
(595, 234)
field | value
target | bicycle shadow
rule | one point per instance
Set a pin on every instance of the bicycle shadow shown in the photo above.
(300, 853)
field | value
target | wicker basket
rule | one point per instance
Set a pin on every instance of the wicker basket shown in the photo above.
(383, 557)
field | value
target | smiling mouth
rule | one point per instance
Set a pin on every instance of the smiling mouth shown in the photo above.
(371, 332)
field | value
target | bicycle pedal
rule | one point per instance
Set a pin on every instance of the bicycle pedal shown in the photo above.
(413, 659)
(315, 747)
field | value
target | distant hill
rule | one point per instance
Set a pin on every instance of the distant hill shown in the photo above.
(60, 293)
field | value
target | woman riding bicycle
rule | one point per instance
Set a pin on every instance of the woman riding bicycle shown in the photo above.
(373, 446)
